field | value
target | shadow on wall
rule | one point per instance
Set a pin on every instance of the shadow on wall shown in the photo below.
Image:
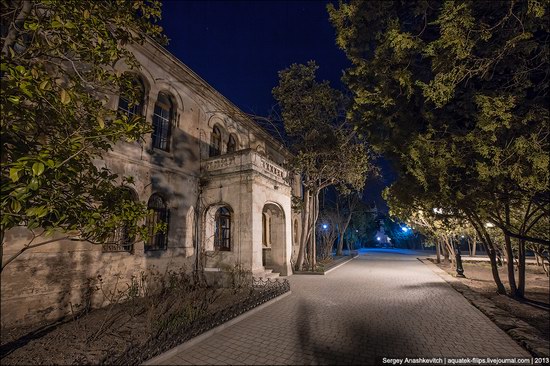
(178, 189)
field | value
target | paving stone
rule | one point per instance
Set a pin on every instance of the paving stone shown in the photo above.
(386, 304)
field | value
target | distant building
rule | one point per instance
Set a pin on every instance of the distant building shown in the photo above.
(381, 238)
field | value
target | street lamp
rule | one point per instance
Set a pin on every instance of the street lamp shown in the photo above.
(325, 226)
(458, 257)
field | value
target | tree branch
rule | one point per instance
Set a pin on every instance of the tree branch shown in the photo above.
(15, 27)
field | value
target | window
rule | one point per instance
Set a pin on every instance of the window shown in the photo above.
(121, 240)
(215, 142)
(222, 233)
(137, 95)
(231, 144)
(159, 215)
(162, 119)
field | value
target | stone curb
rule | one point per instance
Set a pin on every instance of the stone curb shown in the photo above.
(524, 334)
(158, 360)
(301, 273)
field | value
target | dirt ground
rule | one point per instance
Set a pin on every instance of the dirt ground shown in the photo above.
(88, 339)
(534, 311)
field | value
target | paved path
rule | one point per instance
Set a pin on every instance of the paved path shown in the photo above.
(385, 303)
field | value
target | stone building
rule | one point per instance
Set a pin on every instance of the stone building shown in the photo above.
(210, 172)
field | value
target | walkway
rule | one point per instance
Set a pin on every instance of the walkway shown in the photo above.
(385, 303)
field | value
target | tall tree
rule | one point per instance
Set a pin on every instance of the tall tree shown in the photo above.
(57, 73)
(327, 150)
(455, 93)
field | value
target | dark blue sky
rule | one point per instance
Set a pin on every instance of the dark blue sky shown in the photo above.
(239, 46)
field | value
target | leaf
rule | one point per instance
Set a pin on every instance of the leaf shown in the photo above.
(37, 168)
(14, 99)
(65, 97)
(14, 174)
(15, 206)
(34, 183)
(86, 14)
(44, 85)
(101, 122)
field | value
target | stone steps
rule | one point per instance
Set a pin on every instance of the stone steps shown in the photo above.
(266, 273)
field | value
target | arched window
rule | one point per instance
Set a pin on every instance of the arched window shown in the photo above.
(162, 122)
(215, 142)
(132, 96)
(231, 144)
(222, 232)
(121, 239)
(159, 215)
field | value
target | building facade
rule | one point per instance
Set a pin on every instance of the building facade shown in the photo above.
(207, 170)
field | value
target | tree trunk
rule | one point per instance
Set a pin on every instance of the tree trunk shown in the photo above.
(489, 247)
(343, 229)
(437, 252)
(494, 270)
(474, 246)
(510, 265)
(1, 254)
(445, 251)
(520, 291)
(313, 225)
(304, 233)
(449, 251)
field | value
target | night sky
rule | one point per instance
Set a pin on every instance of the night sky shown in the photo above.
(239, 46)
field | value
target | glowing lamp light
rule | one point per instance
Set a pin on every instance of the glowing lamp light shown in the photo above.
(489, 224)
(462, 236)
(378, 238)
(325, 226)
(405, 229)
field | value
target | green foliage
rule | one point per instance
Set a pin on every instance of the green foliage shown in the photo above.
(58, 71)
(327, 151)
(456, 95)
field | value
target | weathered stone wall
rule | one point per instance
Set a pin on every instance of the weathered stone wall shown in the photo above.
(43, 283)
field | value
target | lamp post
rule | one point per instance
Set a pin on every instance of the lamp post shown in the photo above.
(459, 268)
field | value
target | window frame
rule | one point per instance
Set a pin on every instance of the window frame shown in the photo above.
(120, 240)
(159, 240)
(222, 229)
(231, 144)
(124, 104)
(163, 116)
(216, 142)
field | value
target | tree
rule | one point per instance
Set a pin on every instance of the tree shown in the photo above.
(327, 150)
(347, 205)
(58, 70)
(456, 95)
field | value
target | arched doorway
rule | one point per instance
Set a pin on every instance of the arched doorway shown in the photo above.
(273, 237)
